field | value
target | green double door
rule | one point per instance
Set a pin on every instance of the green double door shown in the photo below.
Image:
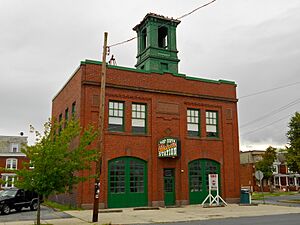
(198, 179)
(127, 183)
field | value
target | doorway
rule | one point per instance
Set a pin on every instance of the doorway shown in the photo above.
(169, 187)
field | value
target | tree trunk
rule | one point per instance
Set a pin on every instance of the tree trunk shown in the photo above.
(38, 213)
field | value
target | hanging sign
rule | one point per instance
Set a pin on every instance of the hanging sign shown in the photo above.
(168, 147)
(213, 182)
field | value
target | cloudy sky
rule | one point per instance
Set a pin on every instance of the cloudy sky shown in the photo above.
(255, 43)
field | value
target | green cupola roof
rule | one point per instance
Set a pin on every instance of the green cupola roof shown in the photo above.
(157, 44)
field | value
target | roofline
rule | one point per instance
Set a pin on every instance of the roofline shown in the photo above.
(220, 81)
(14, 136)
(60, 90)
(252, 151)
(160, 17)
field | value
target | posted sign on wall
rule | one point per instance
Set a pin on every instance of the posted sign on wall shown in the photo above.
(168, 147)
(213, 182)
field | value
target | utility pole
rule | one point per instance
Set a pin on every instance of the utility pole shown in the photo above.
(101, 131)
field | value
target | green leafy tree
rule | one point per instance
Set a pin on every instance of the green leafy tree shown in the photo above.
(57, 157)
(266, 164)
(293, 150)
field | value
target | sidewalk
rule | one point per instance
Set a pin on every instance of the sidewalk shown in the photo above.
(186, 213)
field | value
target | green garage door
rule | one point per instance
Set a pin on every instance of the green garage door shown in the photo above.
(127, 183)
(198, 178)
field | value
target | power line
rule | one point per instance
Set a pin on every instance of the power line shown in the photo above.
(295, 102)
(200, 7)
(122, 42)
(276, 121)
(269, 90)
(185, 15)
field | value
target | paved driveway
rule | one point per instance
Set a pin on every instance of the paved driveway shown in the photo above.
(26, 214)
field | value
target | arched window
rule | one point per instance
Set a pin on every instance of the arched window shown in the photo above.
(163, 37)
(144, 39)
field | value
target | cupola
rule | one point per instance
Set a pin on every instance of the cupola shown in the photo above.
(157, 50)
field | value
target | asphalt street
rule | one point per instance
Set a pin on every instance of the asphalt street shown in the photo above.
(286, 219)
(26, 214)
(233, 214)
(275, 200)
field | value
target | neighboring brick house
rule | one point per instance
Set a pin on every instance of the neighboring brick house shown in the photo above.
(11, 158)
(247, 169)
(282, 179)
(164, 131)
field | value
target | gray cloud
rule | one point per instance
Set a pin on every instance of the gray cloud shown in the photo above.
(255, 43)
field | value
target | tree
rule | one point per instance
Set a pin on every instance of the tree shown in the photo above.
(57, 157)
(293, 150)
(266, 164)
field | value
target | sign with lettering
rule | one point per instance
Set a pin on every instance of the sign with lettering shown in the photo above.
(168, 147)
(213, 182)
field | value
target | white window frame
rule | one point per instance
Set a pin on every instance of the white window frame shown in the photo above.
(116, 115)
(276, 167)
(14, 145)
(9, 163)
(138, 117)
(5, 178)
(193, 122)
(211, 118)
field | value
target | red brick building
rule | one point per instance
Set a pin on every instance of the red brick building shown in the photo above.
(247, 170)
(164, 131)
(282, 179)
(11, 158)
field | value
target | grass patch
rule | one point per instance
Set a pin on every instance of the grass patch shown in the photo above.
(259, 195)
(60, 207)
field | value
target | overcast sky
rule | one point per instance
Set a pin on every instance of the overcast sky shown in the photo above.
(255, 43)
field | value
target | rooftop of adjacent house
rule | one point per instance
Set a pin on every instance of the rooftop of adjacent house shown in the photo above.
(251, 156)
(5, 137)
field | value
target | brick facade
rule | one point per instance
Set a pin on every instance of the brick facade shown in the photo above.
(167, 97)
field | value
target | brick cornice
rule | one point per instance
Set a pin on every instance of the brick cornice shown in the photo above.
(93, 83)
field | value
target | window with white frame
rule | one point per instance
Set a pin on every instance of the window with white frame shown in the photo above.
(11, 164)
(193, 122)
(9, 180)
(138, 121)
(14, 147)
(116, 116)
(211, 124)
(275, 169)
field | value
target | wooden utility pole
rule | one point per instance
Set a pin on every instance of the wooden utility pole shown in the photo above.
(101, 131)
